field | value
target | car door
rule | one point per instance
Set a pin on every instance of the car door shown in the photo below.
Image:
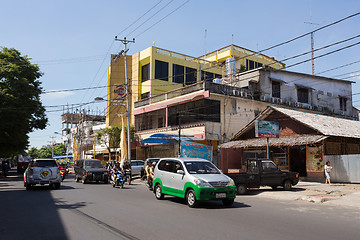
(164, 167)
(270, 174)
(176, 180)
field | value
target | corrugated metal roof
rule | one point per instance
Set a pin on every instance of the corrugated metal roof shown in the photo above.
(293, 140)
(329, 126)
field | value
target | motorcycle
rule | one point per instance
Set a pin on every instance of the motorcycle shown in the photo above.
(118, 179)
(63, 172)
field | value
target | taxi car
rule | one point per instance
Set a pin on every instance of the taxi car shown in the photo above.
(193, 179)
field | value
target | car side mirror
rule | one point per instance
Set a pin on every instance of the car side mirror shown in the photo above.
(180, 172)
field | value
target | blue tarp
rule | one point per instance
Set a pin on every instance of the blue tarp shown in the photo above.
(161, 138)
(63, 157)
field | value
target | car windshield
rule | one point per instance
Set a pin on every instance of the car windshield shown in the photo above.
(201, 168)
(45, 163)
(93, 164)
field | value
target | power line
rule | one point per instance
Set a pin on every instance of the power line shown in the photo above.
(139, 18)
(162, 18)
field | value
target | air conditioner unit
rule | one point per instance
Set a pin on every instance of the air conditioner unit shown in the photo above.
(275, 100)
(297, 104)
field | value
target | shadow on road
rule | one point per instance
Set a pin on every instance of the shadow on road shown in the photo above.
(30, 214)
(207, 204)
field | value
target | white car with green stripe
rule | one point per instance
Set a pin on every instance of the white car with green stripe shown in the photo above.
(193, 179)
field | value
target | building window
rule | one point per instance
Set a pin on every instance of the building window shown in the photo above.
(191, 74)
(342, 103)
(303, 95)
(145, 95)
(275, 89)
(252, 65)
(178, 74)
(145, 73)
(206, 76)
(161, 70)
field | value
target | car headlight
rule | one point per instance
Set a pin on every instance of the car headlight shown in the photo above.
(202, 183)
(231, 183)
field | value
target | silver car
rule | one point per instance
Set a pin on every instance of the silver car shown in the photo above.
(42, 171)
(136, 167)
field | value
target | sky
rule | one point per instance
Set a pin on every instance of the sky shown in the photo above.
(71, 41)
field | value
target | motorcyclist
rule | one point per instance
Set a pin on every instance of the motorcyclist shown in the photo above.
(149, 171)
(115, 169)
(127, 169)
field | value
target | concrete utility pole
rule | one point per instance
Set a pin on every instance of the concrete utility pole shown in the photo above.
(312, 48)
(123, 52)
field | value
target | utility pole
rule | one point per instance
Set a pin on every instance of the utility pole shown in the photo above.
(179, 136)
(52, 146)
(123, 52)
(312, 48)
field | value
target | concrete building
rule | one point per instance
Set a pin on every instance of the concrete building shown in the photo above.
(215, 112)
(155, 71)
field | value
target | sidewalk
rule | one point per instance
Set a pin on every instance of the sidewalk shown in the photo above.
(337, 194)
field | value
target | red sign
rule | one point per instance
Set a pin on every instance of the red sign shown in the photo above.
(120, 91)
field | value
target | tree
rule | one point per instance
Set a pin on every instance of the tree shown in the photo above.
(46, 152)
(21, 110)
(110, 136)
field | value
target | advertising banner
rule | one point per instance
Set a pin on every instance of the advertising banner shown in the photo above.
(266, 129)
(196, 150)
(314, 161)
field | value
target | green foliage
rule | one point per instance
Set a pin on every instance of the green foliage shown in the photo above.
(46, 152)
(111, 136)
(21, 110)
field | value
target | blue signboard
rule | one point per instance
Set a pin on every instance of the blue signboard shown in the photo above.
(196, 150)
(266, 129)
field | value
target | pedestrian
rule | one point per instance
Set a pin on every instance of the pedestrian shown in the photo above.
(327, 169)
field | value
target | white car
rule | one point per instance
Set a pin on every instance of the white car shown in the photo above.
(193, 179)
(42, 171)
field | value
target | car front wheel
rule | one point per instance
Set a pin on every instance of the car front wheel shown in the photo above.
(241, 189)
(287, 185)
(191, 199)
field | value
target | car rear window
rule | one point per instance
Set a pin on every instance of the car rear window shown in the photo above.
(45, 163)
(93, 164)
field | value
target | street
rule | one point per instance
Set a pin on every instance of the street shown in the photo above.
(98, 211)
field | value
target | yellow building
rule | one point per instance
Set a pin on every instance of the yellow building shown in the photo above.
(154, 71)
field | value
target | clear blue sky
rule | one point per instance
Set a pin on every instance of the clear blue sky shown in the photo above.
(72, 41)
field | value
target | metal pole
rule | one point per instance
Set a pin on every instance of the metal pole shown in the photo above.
(179, 136)
(267, 148)
(125, 42)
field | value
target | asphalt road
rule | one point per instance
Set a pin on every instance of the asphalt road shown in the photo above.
(98, 211)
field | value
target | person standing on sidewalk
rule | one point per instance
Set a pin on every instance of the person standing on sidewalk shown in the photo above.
(327, 169)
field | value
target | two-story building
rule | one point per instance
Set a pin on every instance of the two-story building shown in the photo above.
(216, 112)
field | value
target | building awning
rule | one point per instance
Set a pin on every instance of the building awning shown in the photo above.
(303, 86)
(295, 140)
(277, 80)
(63, 157)
(161, 138)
